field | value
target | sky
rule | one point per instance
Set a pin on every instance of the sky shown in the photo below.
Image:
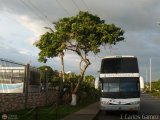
(22, 23)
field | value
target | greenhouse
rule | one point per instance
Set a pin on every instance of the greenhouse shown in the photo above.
(11, 77)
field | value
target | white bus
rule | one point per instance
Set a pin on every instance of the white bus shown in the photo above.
(120, 86)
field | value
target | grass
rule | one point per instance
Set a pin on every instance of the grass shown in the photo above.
(155, 89)
(155, 93)
(45, 113)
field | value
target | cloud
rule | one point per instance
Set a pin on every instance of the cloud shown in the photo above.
(33, 25)
(1, 38)
(23, 23)
(36, 10)
(19, 56)
(25, 52)
(131, 15)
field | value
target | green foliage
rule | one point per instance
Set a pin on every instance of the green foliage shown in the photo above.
(86, 89)
(155, 88)
(88, 92)
(49, 46)
(156, 85)
(53, 112)
(83, 32)
(87, 32)
(70, 81)
(49, 73)
(89, 79)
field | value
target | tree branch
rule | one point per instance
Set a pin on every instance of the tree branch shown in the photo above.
(71, 49)
(80, 64)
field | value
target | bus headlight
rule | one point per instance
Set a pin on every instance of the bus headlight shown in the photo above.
(104, 102)
(135, 103)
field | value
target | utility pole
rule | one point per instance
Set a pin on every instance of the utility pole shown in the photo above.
(146, 76)
(150, 72)
(27, 77)
(46, 80)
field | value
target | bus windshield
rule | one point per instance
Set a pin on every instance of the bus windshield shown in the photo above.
(119, 65)
(121, 85)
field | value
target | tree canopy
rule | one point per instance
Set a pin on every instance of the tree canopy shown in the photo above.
(50, 46)
(46, 71)
(81, 34)
(86, 33)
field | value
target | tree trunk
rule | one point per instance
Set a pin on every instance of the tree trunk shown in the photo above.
(74, 93)
(62, 66)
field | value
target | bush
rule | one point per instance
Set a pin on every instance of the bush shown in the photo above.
(86, 91)
(155, 88)
(92, 94)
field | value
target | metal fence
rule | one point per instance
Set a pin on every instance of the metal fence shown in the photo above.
(18, 78)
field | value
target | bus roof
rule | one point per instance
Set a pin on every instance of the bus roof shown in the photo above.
(120, 56)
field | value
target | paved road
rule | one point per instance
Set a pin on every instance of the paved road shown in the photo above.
(150, 110)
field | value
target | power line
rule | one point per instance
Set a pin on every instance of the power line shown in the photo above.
(76, 5)
(63, 7)
(33, 11)
(85, 5)
(30, 8)
(45, 16)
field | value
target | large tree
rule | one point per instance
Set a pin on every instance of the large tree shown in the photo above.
(82, 34)
(86, 33)
(51, 47)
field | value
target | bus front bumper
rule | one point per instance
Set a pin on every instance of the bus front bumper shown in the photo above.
(121, 107)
